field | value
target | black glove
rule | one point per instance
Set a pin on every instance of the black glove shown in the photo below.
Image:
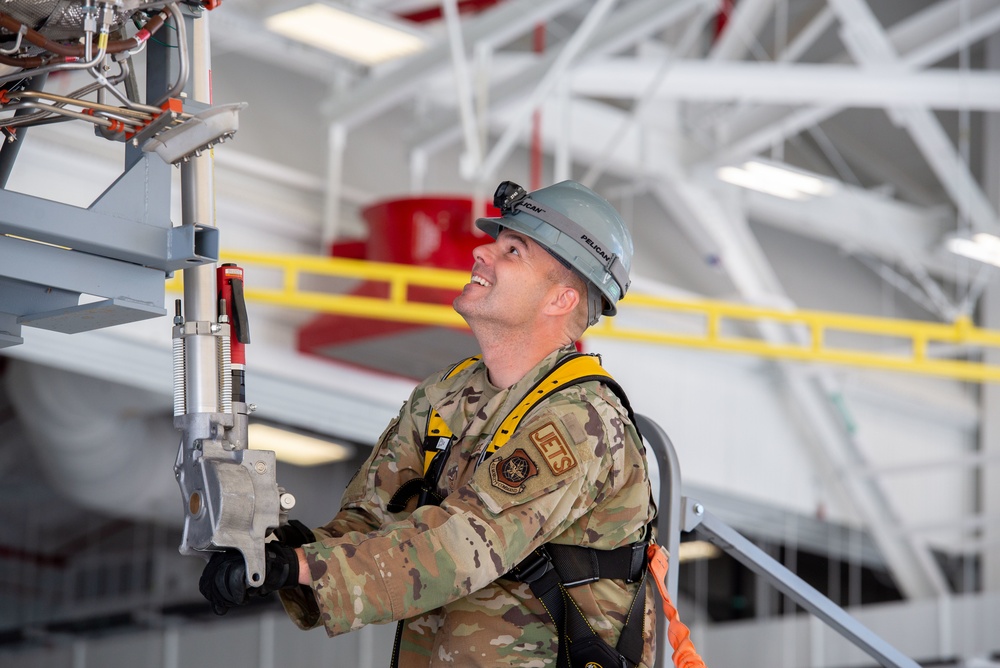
(224, 581)
(294, 534)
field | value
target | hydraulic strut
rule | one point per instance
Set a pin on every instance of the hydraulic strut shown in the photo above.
(231, 496)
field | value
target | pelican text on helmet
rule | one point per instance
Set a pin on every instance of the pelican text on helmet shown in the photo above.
(600, 251)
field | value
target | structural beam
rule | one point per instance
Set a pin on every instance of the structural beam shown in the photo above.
(921, 40)
(789, 84)
(122, 224)
(869, 44)
(624, 27)
(989, 433)
(835, 451)
(374, 96)
(566, 55)
(743, 25)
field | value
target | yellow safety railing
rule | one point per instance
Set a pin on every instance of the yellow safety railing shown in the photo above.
(284, 280)
(908, 341)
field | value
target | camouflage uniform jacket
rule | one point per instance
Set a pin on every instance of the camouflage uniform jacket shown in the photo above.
(574, 472)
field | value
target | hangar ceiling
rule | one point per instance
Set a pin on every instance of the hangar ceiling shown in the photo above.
(886, 110)
(882, 101)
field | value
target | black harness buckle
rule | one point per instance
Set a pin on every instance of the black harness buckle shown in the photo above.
(534, 567)
(637, 567)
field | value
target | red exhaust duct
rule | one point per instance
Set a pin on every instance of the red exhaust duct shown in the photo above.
(434, 231)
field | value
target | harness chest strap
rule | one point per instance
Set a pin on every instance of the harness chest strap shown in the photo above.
(438, 437)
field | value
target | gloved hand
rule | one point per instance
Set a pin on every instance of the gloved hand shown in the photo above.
(223, 582)
(294, 534)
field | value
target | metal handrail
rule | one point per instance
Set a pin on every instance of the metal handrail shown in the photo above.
(668, 516)
(280, 280)
(679, 513)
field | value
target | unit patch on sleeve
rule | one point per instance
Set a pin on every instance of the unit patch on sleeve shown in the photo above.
(554, 448)
(510, 473)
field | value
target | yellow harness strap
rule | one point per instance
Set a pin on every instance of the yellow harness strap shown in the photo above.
(439, 438)
(575, 369)
(436, 426)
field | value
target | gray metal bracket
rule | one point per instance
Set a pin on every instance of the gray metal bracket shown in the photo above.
(127, 222)
(231, 497)
(117, 251)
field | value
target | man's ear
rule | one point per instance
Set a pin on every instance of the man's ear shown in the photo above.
(563, 299)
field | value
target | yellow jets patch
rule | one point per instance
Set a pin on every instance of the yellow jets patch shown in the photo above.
(554, 448)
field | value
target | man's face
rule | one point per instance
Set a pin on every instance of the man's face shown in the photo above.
(511, 279)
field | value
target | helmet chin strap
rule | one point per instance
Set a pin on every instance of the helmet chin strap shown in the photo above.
(595, 303)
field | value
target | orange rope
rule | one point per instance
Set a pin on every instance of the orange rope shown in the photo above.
(685, 655)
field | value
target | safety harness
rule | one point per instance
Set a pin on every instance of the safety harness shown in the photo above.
(551, 569)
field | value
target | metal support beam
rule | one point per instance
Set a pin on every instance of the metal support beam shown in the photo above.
(807, 36)
(740, 33)
(724, 230)
(43, 285)
(632, 22)
(507, 21)
(463, 90)
(989, 432)
(108, 227)
(567, 54)
(869, 44)
(788, 84)
(336, 139)
(643, 109)
(921, 40)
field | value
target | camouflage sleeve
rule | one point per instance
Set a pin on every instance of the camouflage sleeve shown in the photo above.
(393, 460)
(363, 505)
(554, 470)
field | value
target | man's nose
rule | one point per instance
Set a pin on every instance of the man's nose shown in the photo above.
(481, 253)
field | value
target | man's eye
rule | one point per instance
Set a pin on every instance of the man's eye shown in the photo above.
(514, 250)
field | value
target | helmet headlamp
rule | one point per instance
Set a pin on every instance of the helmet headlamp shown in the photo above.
(507, 195)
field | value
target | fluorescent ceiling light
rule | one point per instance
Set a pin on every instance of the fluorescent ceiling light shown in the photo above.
(358, 38)
(697, 549)
(296, 448)
(776, 181)
(982, 247)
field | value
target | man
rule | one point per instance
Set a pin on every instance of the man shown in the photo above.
(452, 545)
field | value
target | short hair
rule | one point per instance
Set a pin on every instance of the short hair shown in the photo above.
(563, 275)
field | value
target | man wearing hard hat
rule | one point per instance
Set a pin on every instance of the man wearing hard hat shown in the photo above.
(503, 516)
